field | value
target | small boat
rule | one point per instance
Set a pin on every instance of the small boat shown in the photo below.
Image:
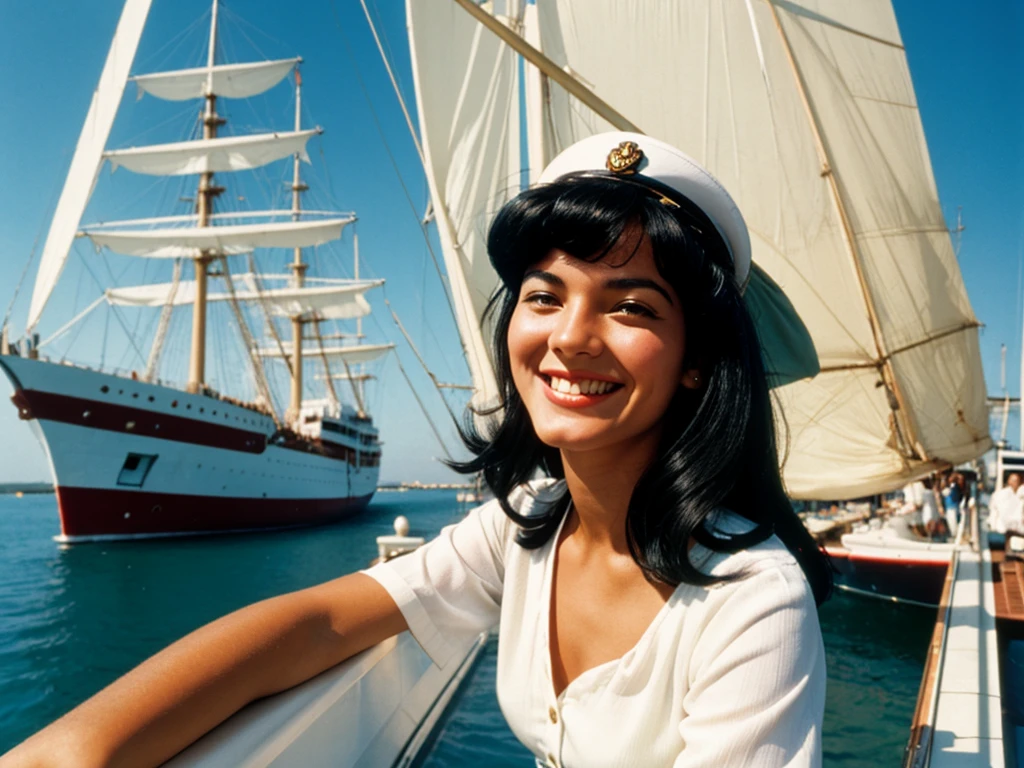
(892, 562)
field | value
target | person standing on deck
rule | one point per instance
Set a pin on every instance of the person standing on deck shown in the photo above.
(930, 507)
(1006, 510)
(952, 495)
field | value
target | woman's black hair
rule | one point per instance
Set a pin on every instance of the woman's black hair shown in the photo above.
(718, 448)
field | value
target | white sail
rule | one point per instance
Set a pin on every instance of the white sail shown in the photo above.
(332, 302)
(229, 153)
(362, 353)
(467, 87)
(848, 224)
(234, 81)
(176, 242)
(88, 157)
(866, 259)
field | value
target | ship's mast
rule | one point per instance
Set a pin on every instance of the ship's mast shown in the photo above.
(297, 266)
(359, 321)
(206, 195)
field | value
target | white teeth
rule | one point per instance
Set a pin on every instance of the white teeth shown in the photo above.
(583, 387)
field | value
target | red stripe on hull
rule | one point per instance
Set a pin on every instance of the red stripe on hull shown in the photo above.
(110, 417)
(95, 414)
(86, 512)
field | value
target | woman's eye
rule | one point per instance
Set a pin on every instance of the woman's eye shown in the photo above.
(541, 299)
(635, 309)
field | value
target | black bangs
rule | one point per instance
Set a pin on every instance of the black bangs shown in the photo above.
(586, 216)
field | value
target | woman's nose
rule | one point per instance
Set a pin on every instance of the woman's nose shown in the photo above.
(576, 331)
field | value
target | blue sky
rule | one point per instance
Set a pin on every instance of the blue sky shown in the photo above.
(965, 62)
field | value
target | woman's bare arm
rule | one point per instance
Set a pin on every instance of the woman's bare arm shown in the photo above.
(174, 697)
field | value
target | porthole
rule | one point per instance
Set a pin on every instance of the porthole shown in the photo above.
(104, 389)
(151, 398)
(174, 403)
(135, 395)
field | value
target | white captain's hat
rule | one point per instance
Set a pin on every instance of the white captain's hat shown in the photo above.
(667, 170)
(683, 183)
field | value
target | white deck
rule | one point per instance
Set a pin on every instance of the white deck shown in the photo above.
(968, 717)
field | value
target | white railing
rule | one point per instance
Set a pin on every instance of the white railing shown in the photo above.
(375, 710)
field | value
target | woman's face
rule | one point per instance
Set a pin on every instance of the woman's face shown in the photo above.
(597, 349)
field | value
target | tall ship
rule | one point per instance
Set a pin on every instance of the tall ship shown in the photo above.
(134, 456)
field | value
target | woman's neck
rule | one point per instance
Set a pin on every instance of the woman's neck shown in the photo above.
(601, 484)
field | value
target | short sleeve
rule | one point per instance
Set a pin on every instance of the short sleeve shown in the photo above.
(757, 678)
(449, 590)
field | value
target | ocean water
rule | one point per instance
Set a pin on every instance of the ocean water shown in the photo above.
(73, 619)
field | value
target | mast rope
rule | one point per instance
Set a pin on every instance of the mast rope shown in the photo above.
(426, 415)
(394, 163)
(161, 329)
(261, 298)
(247, 339)
(433, 378)
(117, 315)
(32, 253)
(327, 367)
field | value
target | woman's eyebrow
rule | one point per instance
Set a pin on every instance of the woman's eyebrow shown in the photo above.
(547, 277)
(625, 283)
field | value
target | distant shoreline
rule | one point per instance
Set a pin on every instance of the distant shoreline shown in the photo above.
(416, 485)
(7, 489)
(12, 488)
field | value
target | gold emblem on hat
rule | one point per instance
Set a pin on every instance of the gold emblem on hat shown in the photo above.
(624, 158)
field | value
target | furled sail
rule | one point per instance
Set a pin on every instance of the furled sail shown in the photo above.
(229, 153)
(467, 87)
(332, 302)
(234, 81)
(88, 157)
(176, 242)
(806, 113)
(361, 353)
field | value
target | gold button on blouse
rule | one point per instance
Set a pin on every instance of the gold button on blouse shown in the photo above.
(553, 714)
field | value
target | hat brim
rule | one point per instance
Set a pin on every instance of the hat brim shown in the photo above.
(786, 344)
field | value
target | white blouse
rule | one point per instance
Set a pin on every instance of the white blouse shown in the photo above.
(730, 675)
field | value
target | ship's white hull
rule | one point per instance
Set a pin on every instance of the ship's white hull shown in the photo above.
(132, 459)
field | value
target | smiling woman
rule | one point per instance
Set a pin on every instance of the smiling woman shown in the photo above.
(657, 593)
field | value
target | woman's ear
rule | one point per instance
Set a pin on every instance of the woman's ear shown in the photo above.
(692, 378)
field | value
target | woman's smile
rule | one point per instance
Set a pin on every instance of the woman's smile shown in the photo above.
(597, 348)
(578, 390)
